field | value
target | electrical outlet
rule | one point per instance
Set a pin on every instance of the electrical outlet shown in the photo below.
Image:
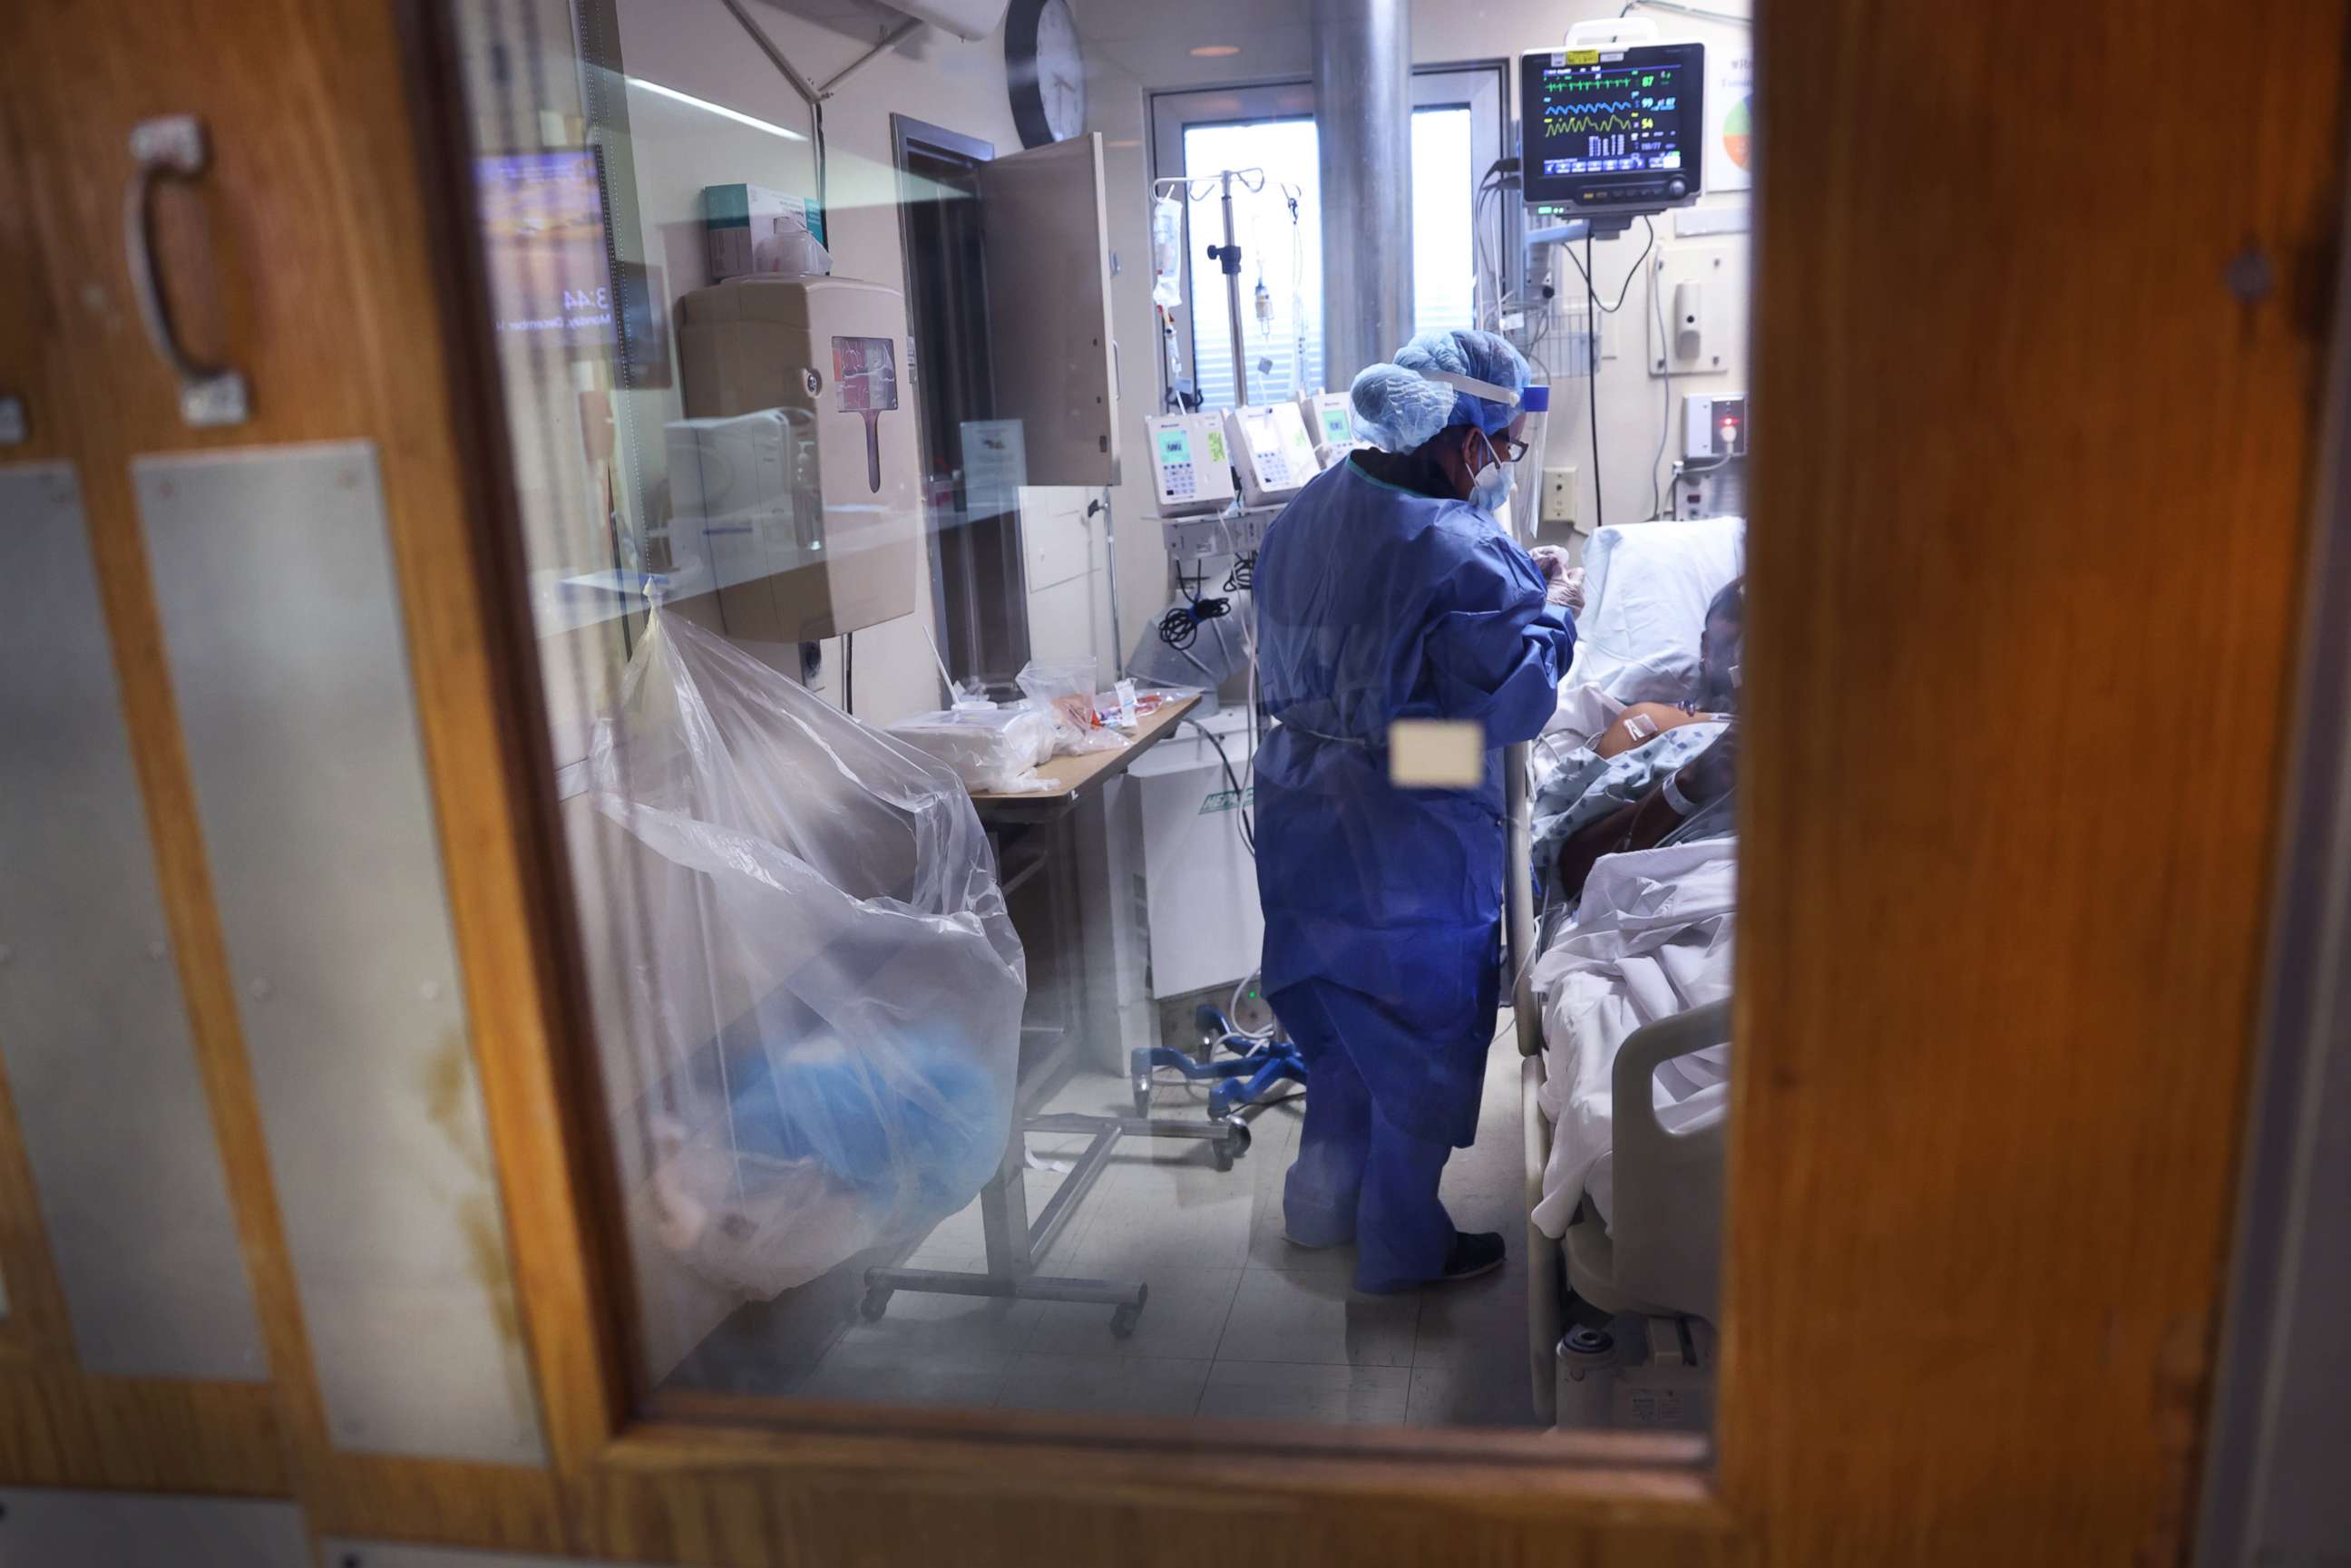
(1558, 496)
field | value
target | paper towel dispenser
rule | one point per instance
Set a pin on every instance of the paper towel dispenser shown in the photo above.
(796, 464)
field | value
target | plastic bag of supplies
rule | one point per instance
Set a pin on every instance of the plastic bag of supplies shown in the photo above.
(823, 989)
(992, 750)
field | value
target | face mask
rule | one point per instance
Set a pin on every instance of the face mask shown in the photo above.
(1492, 488)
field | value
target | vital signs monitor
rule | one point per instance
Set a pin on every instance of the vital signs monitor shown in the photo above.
(1612, 129)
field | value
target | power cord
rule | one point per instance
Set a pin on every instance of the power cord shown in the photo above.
(1232, 782)
(1595, 309)
(1584, 266)
(1592, 350)
(1665, 365)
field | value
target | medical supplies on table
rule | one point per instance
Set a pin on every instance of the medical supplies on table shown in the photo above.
(994, 748)
(1067, 690)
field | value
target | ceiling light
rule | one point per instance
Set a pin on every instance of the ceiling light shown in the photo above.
(718, 109)
(1215, 51)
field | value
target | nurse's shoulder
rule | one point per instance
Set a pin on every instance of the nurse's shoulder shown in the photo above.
(1466, 545)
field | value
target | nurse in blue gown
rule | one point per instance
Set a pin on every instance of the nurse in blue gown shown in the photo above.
(1387, 591)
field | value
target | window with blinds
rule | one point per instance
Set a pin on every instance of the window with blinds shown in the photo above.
(1277, 223)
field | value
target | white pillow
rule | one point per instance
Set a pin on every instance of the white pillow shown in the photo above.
(1646, 587)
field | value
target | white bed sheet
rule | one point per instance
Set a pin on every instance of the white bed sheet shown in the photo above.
(1652, 938)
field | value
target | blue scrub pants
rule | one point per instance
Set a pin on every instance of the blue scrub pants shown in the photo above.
(1357, 1177)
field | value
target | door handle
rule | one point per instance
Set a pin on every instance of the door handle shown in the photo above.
(172, 147)
(1117, 379)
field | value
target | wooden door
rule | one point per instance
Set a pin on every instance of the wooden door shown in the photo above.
(2039, 351)
(303, 255)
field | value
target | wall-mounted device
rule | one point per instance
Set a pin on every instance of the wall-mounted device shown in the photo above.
(744, 499)
(1191, 470)
(829, 354)
(1713, 427)
(1216, 536)
(1331, 421)
(1270, 448)
(1616, 129)
(1710, 481)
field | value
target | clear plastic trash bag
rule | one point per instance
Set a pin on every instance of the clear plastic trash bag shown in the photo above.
(823, 988)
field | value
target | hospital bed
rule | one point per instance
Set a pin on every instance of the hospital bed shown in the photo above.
(1649, 1259)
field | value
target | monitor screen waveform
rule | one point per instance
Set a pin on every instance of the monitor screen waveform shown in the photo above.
(1587, 118)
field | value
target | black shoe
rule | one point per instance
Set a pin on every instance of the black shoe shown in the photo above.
(1472, 1255)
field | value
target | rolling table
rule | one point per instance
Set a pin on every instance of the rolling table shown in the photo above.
(1014, 1243)
(1072, 776)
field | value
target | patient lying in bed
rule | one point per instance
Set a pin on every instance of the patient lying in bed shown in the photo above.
(1645, 774)
(1589, 717)
(1633, 820)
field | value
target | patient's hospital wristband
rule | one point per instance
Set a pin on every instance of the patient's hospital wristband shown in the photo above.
(1682, 804)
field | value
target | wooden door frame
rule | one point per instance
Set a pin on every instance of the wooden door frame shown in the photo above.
(2264, 1436)
(1940, 1436)
(1980, 1173)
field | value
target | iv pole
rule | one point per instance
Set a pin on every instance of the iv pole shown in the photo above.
(1228, 258)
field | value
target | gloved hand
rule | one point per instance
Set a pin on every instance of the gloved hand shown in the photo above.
(1562, 583)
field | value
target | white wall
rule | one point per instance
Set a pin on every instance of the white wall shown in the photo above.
(1135, 47)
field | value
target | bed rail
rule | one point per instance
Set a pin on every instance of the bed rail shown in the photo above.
(1545, 1307)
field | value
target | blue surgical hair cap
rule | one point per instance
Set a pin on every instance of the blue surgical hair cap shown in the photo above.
(1400, 404)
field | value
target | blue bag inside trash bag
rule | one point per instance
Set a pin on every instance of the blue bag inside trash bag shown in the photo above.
(916, 1139)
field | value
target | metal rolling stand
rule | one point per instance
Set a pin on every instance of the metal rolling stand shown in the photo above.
(1013, 1243)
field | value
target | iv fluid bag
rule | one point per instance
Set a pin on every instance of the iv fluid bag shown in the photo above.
(1167, 251)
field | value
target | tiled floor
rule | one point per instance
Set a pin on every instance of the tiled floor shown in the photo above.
(1239, 1323)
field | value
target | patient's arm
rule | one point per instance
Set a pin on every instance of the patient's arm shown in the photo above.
(1644, 824)
(1602, 836)
(1640, 722)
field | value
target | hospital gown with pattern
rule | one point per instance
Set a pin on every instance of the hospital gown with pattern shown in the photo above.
(1578, 787)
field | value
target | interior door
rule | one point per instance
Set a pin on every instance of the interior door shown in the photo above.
(1049, 307)
(976, 528)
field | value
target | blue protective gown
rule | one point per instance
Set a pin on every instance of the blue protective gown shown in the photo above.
(1382, 907)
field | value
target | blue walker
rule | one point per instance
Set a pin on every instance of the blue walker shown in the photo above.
(1242, 1080)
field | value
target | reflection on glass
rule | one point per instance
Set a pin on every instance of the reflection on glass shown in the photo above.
(542, 218)
(923, 665)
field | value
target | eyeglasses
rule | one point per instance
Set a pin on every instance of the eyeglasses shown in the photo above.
(1509, 449)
